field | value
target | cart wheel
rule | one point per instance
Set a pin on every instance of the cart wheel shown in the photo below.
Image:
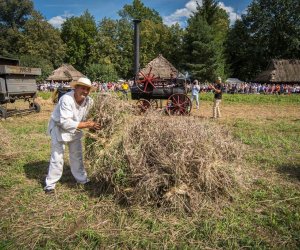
(154, 103)
(35, 106)
(179, 104)
(143, 105)
(3, 113)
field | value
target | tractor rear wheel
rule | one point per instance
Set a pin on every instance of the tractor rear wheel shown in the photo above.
(146, 81)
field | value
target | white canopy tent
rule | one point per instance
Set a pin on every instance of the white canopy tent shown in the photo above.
(233, 81)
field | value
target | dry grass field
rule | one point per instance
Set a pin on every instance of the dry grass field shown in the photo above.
(264, 213)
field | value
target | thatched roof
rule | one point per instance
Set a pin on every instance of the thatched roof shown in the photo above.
(286, 71)
(161, 67)
(66, 72)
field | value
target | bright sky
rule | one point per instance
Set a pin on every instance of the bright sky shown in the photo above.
(172, 11)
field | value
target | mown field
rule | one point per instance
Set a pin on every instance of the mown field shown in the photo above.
(263, 215)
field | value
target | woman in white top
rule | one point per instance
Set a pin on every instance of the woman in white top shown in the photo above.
(195, 93)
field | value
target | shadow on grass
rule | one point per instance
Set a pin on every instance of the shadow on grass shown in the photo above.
(38, 171)
(290, 170)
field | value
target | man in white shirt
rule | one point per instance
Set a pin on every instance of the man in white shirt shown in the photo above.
(67, 120)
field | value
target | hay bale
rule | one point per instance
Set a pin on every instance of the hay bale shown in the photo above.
(173, 162)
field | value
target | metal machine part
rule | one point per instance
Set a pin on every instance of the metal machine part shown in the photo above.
(17, 83)
(148, 87)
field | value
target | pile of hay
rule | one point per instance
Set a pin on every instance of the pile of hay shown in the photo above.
(173, 162)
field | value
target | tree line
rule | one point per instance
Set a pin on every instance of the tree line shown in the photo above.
(206, 48)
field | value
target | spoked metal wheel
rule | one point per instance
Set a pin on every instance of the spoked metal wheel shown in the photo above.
(154, 103)
(143, 105)
(179, 104)
(146, 82)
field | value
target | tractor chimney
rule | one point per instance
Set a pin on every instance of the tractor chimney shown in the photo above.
(136, 46)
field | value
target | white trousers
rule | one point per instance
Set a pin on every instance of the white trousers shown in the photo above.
(57, 161)
(216, 108)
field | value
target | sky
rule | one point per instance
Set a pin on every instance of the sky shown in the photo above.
(172, 11)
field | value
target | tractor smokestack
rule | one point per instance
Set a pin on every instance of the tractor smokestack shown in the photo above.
(136, 46)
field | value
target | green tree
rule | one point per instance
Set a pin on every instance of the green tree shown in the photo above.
(36, 61)
(125, 49)
(272, 29)
(173, 45)
(103, 72)
(79, 35)
(208, 11)
(238, 51)
(14, 13)
(203, 42)
(137, 10)
(13, 16)
(105, 46)
(155, 37)
(200, 50)
(39, 38)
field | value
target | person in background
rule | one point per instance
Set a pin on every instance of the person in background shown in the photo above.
(217, 88)
(65, 128)
(195, 92)
(125, 88)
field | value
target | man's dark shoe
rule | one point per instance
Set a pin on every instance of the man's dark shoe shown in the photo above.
(88, 185)
(49, 191)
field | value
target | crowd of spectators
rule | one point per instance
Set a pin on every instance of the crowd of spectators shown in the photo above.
(255, 88)
(241, 88)
(99, 86)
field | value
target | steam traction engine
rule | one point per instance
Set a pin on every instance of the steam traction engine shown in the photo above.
(148, 87)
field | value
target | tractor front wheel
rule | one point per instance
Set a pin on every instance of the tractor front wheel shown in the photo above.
(143, 105)
(179, 104)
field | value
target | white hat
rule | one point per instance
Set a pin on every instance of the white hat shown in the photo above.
(219, 78)
(83, 81)
(195, 82)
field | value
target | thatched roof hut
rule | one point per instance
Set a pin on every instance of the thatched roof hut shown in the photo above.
(281, 71)
(65, 73)
(161, 67)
